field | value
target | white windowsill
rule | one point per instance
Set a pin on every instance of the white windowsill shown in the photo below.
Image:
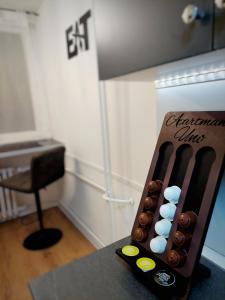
(15, 137)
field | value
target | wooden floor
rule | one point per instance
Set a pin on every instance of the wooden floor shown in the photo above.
(18, 265)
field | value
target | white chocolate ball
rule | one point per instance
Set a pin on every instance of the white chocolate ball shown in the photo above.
(167, 211)
(158, 244)
(172, 194)
(163, 227)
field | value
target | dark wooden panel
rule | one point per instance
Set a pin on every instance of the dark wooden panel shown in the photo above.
(136, 34)
(201, 171)
(219, 36)
(196, 163)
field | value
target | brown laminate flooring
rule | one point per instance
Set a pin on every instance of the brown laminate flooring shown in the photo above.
(18, 265)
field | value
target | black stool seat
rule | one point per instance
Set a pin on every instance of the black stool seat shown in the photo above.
(45, 169)
(20, 182)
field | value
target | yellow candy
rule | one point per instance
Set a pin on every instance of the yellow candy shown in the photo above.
(145, 264)
(130, 250)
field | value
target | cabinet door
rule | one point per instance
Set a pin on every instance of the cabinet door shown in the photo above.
(219, 36)
(137, 34)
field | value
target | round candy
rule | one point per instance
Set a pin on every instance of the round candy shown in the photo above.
(130, 250)
(145, 264)
(164, 278)
(154, 186)
(150, 202)
(187, 219)
(163, 227)
(176, 258)
(145, 218)
(172, 194)
(158, 244)
(140, 234)
(167, 211)
(181, 238)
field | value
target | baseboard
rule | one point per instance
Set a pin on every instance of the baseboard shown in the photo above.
(79, 224)
(214, 256)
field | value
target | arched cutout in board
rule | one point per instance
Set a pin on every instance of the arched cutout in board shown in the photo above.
(183, 156)
(165, 153)
(204, 160)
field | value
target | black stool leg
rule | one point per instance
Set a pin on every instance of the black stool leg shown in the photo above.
(39, 210)
(42, 238)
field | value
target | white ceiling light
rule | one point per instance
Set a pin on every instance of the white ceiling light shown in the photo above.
(206, 73)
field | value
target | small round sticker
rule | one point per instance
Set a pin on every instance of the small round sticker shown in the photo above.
(164, 278)
(130, 250)
(145, 264)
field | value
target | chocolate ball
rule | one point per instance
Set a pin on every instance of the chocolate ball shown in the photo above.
(154, 186)
(145, 218)
(140, 234)
(187, 219)
(150, 202)
(181, 238)
(176, 258)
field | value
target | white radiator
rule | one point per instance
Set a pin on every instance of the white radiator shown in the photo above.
(8, 205)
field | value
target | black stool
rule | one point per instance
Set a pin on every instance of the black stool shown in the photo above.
(45, 169)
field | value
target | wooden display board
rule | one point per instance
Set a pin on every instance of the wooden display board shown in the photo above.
(189, 154)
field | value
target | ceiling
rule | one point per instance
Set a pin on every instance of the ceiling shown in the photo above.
(21, 5)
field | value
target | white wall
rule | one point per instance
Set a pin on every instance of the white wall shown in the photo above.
(73, 101)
